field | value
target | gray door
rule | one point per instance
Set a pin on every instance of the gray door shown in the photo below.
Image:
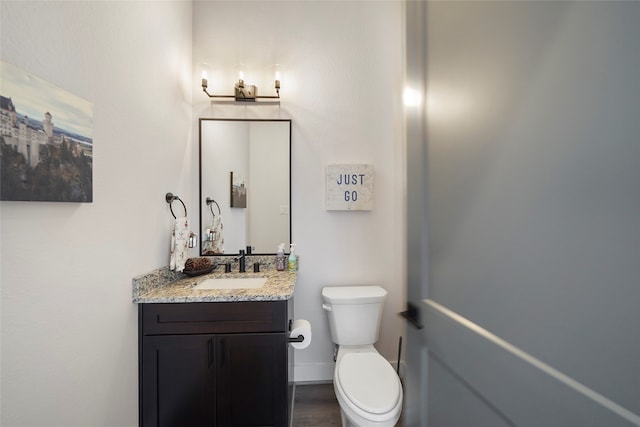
(415, 380)
(523, 179)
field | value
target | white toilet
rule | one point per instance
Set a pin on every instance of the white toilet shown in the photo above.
(366, 385)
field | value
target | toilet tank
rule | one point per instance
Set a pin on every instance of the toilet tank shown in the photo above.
(354, 313)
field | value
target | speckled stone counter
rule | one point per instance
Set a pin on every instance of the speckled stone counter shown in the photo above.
(166, 286)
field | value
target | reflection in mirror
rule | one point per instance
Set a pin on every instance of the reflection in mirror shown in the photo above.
(245, 189)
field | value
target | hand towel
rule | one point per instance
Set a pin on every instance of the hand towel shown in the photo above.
(218, 243)
(215, 240)
(218, 240)
(179, 244)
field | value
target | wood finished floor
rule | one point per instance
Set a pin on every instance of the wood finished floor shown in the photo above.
(315, 405)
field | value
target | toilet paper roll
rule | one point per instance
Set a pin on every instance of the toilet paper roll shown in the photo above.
(300, 327)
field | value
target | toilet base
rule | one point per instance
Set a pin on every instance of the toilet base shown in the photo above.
(350, 417)
(347, 422)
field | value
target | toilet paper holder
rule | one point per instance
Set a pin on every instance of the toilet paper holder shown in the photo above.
(299, 338)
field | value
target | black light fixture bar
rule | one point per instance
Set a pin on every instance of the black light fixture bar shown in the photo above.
(243, 92)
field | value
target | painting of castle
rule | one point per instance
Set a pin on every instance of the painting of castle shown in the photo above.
(46, 145)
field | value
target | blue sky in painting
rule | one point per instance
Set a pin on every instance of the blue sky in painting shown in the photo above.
(32, 96)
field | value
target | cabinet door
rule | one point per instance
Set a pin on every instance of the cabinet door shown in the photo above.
(251, 382)
(178, 381)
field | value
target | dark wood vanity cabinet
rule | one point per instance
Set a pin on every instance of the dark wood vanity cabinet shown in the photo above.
(214, 364)
(177, 381)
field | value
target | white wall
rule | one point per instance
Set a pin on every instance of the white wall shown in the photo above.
(341, 86)
(69, 329)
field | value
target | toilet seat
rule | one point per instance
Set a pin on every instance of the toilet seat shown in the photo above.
(369, 382)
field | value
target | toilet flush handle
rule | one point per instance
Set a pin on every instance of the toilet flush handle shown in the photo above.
(326, 307)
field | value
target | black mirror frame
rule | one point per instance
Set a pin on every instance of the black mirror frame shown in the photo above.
(200, 203)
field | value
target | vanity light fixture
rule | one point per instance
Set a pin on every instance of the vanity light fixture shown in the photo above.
(243, 91)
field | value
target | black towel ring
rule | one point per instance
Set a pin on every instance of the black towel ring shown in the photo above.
(210, 201)
(170, 198)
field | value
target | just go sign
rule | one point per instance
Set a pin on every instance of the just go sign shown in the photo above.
(349, 187)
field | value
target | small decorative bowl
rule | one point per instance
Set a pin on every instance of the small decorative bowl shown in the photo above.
(194, 273)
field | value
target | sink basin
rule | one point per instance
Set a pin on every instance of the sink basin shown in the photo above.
(232, 283)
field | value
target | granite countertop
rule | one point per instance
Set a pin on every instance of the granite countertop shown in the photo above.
(166, 286)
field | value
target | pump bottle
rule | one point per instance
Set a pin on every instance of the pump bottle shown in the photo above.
(293, 259)
(280, 258)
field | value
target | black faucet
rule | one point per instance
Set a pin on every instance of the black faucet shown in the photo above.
(241, 259)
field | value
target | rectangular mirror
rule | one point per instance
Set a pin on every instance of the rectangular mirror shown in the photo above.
(245, 185)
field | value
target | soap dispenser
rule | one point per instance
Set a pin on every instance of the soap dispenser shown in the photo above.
(293, 259)
(280, 258)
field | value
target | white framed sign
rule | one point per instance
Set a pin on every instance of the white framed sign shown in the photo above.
(349, 187)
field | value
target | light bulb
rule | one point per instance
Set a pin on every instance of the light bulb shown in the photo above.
(412, 97)
(204, 78)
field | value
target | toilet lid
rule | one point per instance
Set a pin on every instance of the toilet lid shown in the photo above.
(369, 381)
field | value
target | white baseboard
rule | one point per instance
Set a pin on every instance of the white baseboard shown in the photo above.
(323, 372)
(313, 372)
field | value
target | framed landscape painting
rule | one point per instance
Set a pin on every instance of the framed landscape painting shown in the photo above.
(46, 145)
(238, 191)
